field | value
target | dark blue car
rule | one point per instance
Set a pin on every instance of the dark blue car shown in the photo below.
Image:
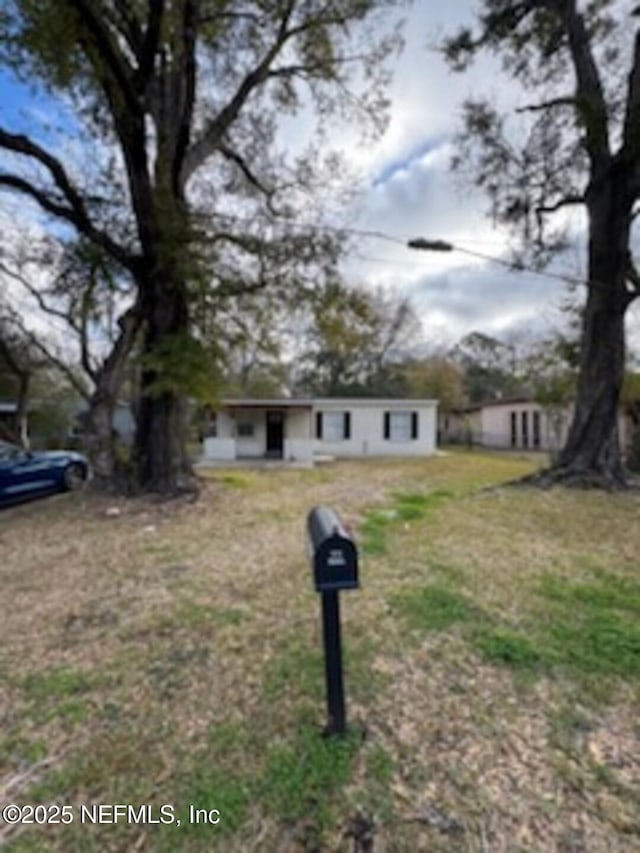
(24, 474)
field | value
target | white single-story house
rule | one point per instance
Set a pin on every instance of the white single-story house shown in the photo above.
(518, 423)
(297, 430)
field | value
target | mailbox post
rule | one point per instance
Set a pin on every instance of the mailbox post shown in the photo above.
(334, 563)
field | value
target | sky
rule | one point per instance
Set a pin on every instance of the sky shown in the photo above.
(407, 190)
(410, 191)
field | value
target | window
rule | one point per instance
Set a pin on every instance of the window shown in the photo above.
(245, 429)
(514, 429)
(400, 426)
(525, 428)
(210, 425)
(536, 429)
(333, 426)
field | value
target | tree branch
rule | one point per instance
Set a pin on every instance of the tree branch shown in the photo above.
(590, 99)
(215, 130)
(630, 151)
(125, 20)
(39, 297)
(107, 50)
(567, 201)
(79, 221)
(76, 213)
(242, 164)
(150, 45)
(564, 101)
(57, 362)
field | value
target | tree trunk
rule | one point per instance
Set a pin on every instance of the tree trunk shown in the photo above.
(591, 456)
(161, 461)
(22, 428)
(98, 440)
(99, 443)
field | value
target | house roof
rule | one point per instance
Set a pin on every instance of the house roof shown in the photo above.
(310, 402)
(8, 408)
(267, 403)
(488, 404)
(507, 401)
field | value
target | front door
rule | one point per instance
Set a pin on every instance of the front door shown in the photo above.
(275, 434)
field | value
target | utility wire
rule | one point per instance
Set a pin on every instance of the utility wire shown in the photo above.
(423, 244)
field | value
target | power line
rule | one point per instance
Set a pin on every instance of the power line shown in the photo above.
(420, 243)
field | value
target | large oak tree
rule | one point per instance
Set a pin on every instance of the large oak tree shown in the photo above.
(173, 105)
(574, 141)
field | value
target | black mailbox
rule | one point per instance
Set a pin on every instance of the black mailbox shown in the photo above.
(333, 554)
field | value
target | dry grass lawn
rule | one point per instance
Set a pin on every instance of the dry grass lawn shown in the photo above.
(170, 654)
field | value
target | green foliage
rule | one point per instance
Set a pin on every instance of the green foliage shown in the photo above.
(125, 73)
(181, 365)
(354, 337)
(436, 378)
(39, 43)
(488, 366)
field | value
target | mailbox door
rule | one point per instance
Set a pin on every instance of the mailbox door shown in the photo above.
(336, 565)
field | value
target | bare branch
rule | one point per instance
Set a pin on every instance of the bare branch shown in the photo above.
(215, 130)
(242, 164)
(567, 201)
(565, 101)
(39, 297)
(51, 357)
(590, 98)
(76, 212)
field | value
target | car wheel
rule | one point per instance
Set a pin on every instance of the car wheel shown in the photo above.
(74, 477)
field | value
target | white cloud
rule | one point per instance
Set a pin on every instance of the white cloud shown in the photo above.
(409, 191)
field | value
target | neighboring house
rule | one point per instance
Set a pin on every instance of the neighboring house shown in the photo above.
(8, 425)
(516, 422)
(297, 430)
(123, 423)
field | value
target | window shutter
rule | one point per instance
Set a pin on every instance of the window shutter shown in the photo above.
(318, 424)
(414, 425)
(347, 425)
(387, 425)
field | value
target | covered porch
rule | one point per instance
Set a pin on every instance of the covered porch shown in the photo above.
(273, 430)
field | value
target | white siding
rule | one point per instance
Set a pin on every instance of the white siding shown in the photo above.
(496, 428)
(367, 428)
